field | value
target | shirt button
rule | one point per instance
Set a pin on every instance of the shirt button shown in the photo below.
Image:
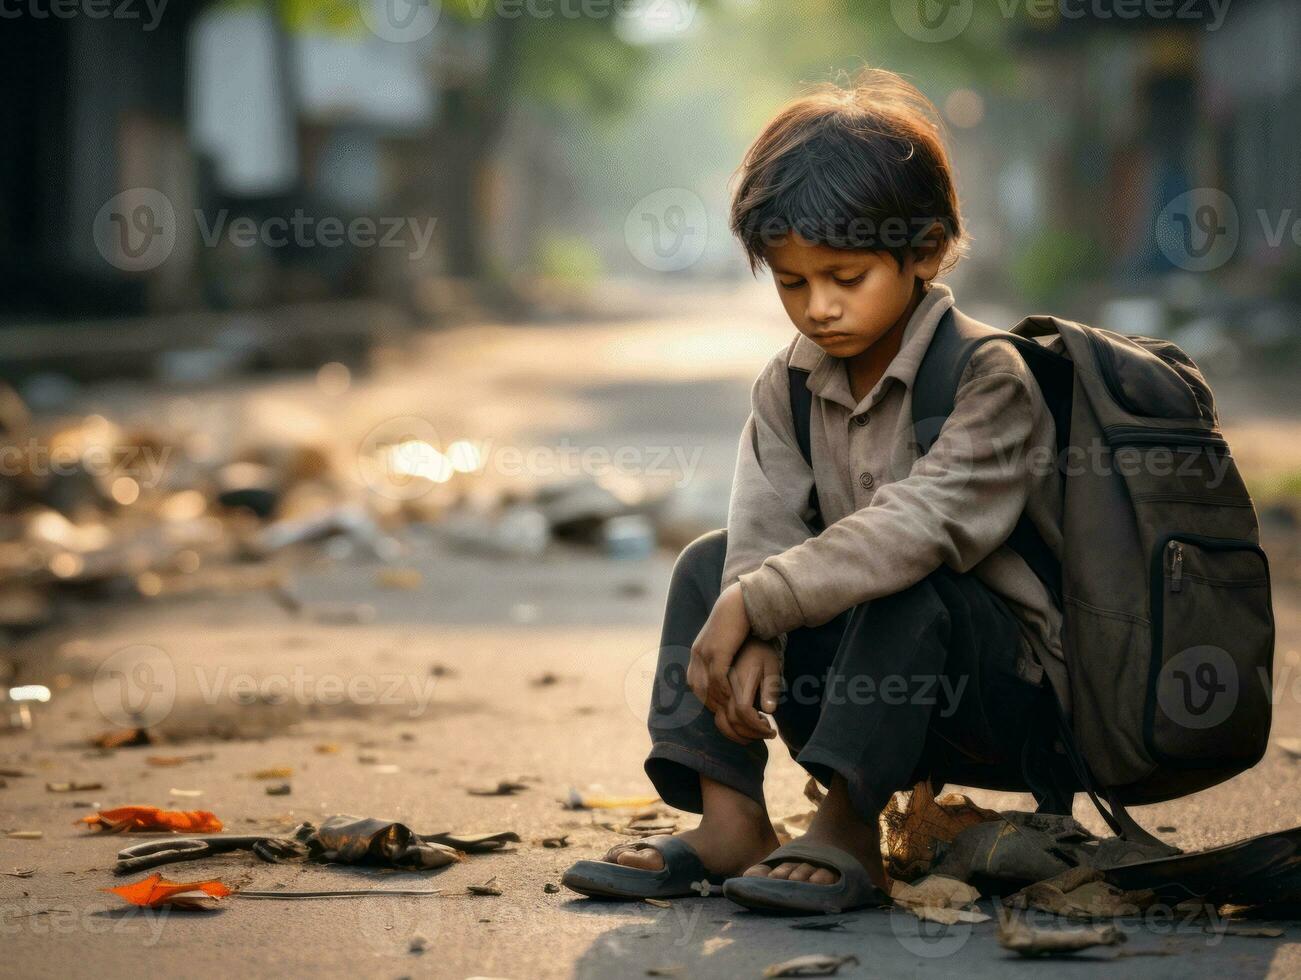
(866, 480)
(862, 419)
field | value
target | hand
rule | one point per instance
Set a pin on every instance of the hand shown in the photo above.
(756, 671)
(716, 647)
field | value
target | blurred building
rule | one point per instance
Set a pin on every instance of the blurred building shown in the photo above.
(227, 112)
(1152, 161)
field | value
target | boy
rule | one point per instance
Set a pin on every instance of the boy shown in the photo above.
(905, 641)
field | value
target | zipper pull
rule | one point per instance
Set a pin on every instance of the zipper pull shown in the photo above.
(1177, 568)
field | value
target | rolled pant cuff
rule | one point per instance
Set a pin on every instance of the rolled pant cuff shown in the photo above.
(867, 799)
(675, 772)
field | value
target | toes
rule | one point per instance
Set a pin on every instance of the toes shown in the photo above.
(647, 859)
(823, 876)
(783, 871)
(756, 871)
(802, 872)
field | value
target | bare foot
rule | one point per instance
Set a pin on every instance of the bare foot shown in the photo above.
(837, 824)
(734, 832)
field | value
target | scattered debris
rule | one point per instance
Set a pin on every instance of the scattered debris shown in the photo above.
(14, 773)
(184, 792)
(25, 834)
(547, 679)
(1015, 934)
(489, 887)
(366, 840)
(163, 761)
(562, 841)
(279, 789)
(584, 801)
(170, 850)
(278, 772)
(73, 787)
(813, 965)
(550, 888)
(938, 899)
(122, 738)
(156, 891)
(505, 787)
(328, 748)
(912, 831)
(418, 944)
(821, 925)
(137, 818)
(659, 903)
(19, 872)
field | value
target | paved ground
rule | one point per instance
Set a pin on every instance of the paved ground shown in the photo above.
(496, 626)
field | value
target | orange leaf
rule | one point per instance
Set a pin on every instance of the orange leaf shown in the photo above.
(125, 818)
(156, 890)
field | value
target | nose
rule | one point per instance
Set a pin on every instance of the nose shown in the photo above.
(823, 307)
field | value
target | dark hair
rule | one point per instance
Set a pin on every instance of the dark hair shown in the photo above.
(860, 168)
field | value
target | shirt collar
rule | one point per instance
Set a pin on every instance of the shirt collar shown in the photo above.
(827, 375)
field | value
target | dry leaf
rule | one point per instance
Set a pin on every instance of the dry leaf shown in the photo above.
(184, 792)
(72, 787)
(25, 834)
(328, 748)
(556, 841)
(489, 887)
(659, 903)
(130, 818)
(278, 772)
(911, 830)
(155, 890)
(813, 965)
(1016, 935)
(19, 872)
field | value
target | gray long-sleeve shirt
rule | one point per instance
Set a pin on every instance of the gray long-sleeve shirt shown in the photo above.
(893, 517)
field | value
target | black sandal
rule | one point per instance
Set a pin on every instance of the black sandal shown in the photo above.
(683, 873)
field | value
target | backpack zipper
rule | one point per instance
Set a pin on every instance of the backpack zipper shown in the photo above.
(1120, 436)
(1176, 566)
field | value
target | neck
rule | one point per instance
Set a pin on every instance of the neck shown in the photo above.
(865, 369)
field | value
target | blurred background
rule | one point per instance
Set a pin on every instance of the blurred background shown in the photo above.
(314, 287)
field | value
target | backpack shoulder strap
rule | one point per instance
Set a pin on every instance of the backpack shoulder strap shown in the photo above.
(934, 390)
(802, 415)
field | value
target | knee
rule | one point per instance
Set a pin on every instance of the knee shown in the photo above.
(702, 560)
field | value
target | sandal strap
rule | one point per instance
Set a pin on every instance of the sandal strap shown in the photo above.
(822, 855)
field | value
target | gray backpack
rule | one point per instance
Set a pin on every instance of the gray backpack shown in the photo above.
(1168, 628)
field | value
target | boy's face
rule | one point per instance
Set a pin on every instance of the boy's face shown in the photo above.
(844, 301)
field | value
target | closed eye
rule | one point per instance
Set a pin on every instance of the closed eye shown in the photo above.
(793, 285)
(850, 282)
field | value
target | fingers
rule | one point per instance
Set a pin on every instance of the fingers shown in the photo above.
(724, 725)
(742, 714)
(770, 687)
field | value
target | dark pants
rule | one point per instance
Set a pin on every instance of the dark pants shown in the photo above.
(919, 684)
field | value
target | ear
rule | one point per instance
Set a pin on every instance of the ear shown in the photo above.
(928, 252)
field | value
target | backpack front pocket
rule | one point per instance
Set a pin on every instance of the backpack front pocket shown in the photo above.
(1210, 683)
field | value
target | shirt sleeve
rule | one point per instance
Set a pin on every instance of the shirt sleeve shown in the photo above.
(769, 511)
(958, 503)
